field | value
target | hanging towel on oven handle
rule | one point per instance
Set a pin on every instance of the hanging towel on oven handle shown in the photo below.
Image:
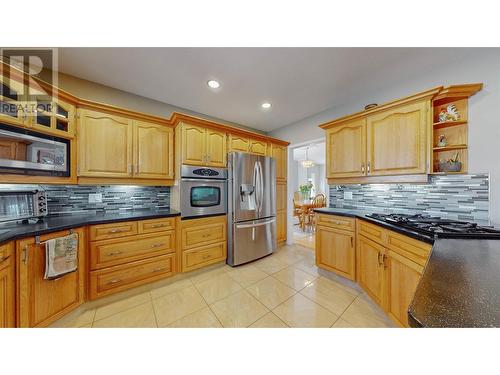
(61, 256)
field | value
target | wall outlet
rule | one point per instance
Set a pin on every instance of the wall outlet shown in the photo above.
(95, 198)
(347, 194)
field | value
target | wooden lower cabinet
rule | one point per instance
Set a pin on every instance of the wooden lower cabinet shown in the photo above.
(7, 286)
(402, 278)
(40, 302)
(203, 242)
(370, 268)
(335, 251)
(116, 279)
(389, 267)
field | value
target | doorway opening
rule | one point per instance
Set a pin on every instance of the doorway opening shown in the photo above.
(308, 189)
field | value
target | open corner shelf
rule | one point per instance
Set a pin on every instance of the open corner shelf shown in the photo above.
(455, 132)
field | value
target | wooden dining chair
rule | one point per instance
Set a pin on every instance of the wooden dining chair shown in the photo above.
(318, 202)
(297, 208)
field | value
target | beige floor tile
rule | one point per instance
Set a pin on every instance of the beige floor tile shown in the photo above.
(76, 319)
(201, 276)
(217, 288)
(338, 284)
(174, 306)
(141, 316)
(294, 278)
(170, 288)
(364, 314)
(289, 257)
(239, 310)
(200, 319)
(121, 305)
(341, 323)
(247, 275)
(269, 321)
(328, 295)
(271, 292)
(270, 265)
(299, 311)
(308, 266)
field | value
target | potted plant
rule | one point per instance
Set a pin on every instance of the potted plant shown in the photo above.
(451, 165)
(305, 190)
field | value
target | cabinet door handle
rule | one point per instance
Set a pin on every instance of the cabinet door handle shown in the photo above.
(352, 242)
(114, 281)
(157, 245)
(117, 230)
(113, 253)
(368, 167)
(363, 168)
(159, 269)
(384, 263)
(25, 254)
(206, 256)
(3, 259)
(378, 258)
(158, 225)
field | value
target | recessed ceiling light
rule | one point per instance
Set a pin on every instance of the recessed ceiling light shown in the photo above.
(266, 105)
(213, 84)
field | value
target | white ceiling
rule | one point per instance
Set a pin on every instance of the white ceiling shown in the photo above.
(299, 82)
(316, 153)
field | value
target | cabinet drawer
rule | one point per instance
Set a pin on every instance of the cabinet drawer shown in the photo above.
(113, 230)
(156, 225)
(337, 222)
(372, 231)
(118, 278)
(203, 256)
(199, 232)
(414, 250)
(118, 251)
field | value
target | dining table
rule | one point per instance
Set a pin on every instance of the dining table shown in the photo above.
(305, 205)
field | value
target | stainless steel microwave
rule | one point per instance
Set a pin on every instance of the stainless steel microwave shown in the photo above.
(31, 153)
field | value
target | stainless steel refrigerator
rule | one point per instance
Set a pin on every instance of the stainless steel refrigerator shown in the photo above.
(251, 207)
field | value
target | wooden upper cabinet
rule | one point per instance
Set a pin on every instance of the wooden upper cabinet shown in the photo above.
(40, 301)
(397, 140)
(104, 145)
(193, 144)
(346, 150)
(7, 286)
(12, 94)
(215, 148)
(54, 117)
(279, 153)
(203, 146)
(258, 147)
(153, 151)
(238, 143)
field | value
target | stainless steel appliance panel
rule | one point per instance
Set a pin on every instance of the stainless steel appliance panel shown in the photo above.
(22, 204)
(252, 240)
(253, 186)
(203, 191)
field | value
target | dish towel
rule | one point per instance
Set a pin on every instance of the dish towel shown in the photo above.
(61, 256)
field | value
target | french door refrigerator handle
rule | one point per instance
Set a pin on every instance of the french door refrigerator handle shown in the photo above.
(241, 226)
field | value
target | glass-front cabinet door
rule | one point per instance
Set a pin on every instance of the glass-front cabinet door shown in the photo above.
(54, 117)
(12, 96)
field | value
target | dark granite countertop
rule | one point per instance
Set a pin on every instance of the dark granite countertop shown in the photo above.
(362, 215)
(12, 231)
(460, 286)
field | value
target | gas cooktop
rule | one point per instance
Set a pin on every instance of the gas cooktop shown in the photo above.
(436, 226)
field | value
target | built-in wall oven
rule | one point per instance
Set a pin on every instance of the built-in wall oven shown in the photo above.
(203, 191)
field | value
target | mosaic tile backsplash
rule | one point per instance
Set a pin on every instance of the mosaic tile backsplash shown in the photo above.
(67, 200)
(461, 197)
(75, 199)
